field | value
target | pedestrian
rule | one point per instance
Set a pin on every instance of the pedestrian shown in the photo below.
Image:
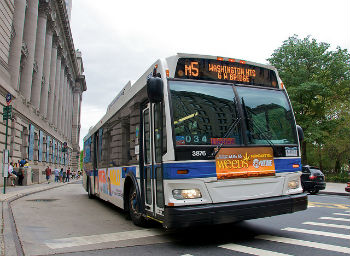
(20, 175)
(48, 174)
(64, 175)
(61, 174)
(57, 175)
(68, 174)
(23, 162)
(12, 174)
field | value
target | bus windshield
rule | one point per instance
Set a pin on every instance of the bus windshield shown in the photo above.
(203, 113)
(269, 118)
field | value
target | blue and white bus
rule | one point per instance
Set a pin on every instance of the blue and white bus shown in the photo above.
(198, 140)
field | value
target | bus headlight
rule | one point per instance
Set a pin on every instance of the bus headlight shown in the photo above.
(181, 194)
(293, 184)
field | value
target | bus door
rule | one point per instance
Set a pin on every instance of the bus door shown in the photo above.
(152, 155)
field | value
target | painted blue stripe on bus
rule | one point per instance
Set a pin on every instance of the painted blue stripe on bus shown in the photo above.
(126, 170)
(208, 169)
(286, 165)
(195, 170)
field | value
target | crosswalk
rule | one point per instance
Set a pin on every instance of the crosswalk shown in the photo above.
(339, 224)
(313, 233)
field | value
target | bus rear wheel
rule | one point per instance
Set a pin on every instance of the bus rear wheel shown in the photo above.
(134, 208)
(91, 196)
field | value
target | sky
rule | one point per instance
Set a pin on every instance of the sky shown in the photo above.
(119, 40)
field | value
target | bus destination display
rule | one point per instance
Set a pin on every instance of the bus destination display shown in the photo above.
(224, 71)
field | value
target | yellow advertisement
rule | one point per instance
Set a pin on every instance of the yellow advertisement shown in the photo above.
(244, 162)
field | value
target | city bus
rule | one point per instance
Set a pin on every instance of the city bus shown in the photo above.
(198, 140)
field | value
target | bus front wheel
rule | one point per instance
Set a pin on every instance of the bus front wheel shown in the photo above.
(134, 208)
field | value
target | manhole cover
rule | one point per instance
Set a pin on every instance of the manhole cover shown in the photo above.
(42, 200)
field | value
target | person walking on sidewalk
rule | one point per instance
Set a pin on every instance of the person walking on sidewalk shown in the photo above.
(20, 175)
(48, 174)
(61, 174)
(12, 174)
(68, 175)
(64, 175)
(57, 175)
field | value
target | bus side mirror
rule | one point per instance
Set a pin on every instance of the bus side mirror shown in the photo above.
(155, 89)
(300, 133)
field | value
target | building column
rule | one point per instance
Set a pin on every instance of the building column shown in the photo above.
(39, 58)
(57, 85)
(48, 54)
(16, 42)
(59, 96)
(29, 38)
(70, 128)
(64, 102)
(77, 91)
(66, 107)
(51, 89)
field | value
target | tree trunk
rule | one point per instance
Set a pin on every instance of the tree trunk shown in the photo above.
(303, 153)
(337, 166)
(320, 158)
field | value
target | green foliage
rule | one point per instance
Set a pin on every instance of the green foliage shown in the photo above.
(341, 177)
(318, 83)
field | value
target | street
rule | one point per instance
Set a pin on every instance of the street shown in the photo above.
(64, 221)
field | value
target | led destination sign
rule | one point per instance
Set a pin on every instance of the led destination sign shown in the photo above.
(225, 71)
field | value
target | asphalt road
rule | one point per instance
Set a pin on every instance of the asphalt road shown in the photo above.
(64, 221)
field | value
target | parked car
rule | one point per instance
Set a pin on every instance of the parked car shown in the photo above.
(312, 179)
(347, 188)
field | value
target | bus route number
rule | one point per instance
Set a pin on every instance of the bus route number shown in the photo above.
(192, 69)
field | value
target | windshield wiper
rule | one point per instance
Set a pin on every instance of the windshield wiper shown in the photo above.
(232, 126)
(255, 126)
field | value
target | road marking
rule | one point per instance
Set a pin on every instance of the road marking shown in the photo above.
(251, 250)
(292, 241)
(328, 205)
(331, 218)
(103, 238)
(327, 225)
(342, 214)
(315, 232)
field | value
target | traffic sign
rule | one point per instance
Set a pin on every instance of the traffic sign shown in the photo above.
(8, 98)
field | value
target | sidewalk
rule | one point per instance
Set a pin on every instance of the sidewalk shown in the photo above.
(335, 189)
(19, 191)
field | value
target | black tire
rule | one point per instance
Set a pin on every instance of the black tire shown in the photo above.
(90, 195)
(314, 191)
(136, 216)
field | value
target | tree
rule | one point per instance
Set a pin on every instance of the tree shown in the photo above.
(318, 83)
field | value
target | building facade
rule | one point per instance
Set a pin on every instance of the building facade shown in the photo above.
(43, 72)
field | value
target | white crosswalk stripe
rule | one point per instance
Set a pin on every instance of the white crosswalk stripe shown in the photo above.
(331, 218)
(251, 250)
(342, 214)
(326, 225)
(320, 233)
(328, 247)
(103, 238)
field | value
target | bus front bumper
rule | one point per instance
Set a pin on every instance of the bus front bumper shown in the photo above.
(208, 214)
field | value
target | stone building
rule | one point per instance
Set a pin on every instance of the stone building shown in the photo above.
(43, 72)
